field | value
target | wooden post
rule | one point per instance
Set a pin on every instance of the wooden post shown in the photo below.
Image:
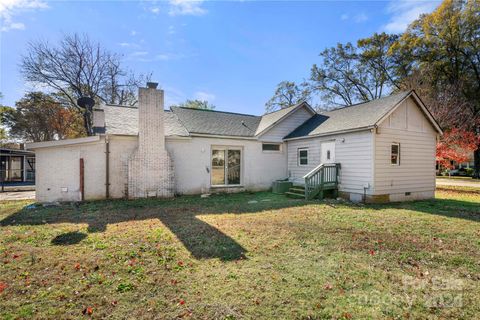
(82, 179)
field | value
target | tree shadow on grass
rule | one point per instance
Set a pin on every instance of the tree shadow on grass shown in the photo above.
(68, 238)
(201, 239)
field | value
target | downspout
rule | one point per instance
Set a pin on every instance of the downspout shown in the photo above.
(374, 131)
(107, 167)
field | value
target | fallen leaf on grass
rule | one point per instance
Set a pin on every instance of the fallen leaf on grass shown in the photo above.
(3, 286)
(87, 311)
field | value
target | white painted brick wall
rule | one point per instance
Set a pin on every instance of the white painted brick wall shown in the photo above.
(150, 168)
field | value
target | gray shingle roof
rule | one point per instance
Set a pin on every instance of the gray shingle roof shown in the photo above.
(124, 121)
(217, 122)
(348, 118)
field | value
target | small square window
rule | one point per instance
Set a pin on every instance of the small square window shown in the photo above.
(395, 154)
(302, 157)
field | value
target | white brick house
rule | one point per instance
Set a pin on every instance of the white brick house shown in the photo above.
(386, 149)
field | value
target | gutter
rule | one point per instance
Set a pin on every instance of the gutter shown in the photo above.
(58, 143)
(222, 137)
(331, 133)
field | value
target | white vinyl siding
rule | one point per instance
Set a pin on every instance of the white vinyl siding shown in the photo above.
(354, 155)
(287, 125)
(408, 127)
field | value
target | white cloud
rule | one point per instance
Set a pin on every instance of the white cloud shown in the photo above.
(133, 33)
(155, 10)
(139, 53)
(171, 30)
(358, 18)
(361, 17)
(186, 7)
(128, 45)
(204, 96)
(404, 12)
(10, 8)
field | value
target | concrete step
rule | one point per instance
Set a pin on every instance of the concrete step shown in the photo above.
(297, 190)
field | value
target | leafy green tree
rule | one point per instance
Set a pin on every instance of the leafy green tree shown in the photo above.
(3, 132)
(197, 104)
(287, 94)
(444, 47)
(348, 74)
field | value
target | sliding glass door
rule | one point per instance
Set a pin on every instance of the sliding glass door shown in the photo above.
(226, 166)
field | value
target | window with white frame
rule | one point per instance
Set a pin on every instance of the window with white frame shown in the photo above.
(302, 155)
(395, 154)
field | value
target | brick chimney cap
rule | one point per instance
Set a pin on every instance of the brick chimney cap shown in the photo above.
(152, 85)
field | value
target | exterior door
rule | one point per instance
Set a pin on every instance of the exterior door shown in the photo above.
(226, 166)
(327, 152)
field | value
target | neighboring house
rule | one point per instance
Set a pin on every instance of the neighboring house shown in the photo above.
(386, 149)
(17, 166)
(457, 168)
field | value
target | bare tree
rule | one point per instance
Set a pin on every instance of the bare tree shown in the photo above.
(79, 67)
(287, 94)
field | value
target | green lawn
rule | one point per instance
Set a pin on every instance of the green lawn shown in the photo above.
(242, 256)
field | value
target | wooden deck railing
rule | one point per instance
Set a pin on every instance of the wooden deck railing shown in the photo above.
(323, 177)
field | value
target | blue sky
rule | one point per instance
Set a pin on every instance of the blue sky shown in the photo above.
(232, 53)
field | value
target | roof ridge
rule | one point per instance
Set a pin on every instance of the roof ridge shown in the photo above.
(293, 105)
(381, 98)
(218, 111)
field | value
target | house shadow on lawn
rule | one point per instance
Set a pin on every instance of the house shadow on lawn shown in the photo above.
(201, 239)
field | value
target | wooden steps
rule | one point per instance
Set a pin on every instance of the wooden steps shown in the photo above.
(296, 192)
(318, 182)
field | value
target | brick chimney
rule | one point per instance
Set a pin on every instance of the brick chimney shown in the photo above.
(150, 168)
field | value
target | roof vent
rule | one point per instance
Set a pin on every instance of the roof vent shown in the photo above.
(152, 85)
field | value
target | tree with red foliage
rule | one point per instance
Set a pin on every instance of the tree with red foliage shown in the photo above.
(456, 145)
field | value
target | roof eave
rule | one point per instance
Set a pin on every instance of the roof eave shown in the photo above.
(61, 143)
(331, 133)
(204, 135)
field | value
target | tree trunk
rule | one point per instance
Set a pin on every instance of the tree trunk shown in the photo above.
(476, 163)
(88, 122)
